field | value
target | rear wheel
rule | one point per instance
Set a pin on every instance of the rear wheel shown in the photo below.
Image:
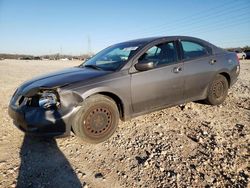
(96, 120)
(218, 90)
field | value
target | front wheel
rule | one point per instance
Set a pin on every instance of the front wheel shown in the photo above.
(96, 120)
(217, 91)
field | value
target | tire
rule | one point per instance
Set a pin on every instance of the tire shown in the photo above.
(96, 120)
(217, 91)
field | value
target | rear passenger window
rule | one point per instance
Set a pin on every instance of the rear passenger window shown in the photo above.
(193, 50)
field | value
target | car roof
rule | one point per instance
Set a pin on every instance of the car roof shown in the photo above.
(159, 38)
(148, 40)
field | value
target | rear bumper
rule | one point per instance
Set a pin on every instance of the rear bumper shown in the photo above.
(38, 122)
(234, 75)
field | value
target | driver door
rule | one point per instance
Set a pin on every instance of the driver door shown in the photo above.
(161, 85)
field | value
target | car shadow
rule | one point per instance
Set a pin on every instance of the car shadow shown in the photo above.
(44, 165)
(201, 102)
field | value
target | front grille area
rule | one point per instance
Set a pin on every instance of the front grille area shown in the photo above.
(20, 101)
(33, 101)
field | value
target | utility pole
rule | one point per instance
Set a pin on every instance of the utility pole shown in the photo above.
(61, 49)
(89, 45)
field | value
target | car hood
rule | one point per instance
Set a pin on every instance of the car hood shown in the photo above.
(60, 79)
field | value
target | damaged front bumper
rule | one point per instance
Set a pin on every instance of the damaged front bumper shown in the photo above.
(35, 120)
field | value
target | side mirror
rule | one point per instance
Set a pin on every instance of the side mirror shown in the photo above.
(144, 65)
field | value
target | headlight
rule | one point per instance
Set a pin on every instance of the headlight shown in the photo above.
(48, 99)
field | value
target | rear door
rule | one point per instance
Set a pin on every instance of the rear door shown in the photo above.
(162, 85)
(199, 67)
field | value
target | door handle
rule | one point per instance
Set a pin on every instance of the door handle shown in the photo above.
(212, 61)
(177, 69)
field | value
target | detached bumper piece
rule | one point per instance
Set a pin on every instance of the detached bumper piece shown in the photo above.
(38, 122)
(35, 120)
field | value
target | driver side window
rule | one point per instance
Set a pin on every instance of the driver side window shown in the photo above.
(161, 54)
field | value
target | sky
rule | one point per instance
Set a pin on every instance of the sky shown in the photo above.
(78, 27)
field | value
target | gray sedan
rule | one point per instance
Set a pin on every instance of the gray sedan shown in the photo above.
(123, 81)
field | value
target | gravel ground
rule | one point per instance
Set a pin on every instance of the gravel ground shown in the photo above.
(193, 146)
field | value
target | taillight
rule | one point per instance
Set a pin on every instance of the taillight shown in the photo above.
(238, 59)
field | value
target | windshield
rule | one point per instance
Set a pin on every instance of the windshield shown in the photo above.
(113, 57)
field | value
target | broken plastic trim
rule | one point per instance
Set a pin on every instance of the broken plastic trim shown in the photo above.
(33, 91)
(46, 99)
(49, 99)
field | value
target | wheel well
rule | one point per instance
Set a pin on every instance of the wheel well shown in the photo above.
(118, 102)
(226, 75)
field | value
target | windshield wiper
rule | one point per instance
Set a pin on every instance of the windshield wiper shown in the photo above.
(93, 67)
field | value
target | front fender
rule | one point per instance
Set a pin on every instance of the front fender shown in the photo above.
(125, 102)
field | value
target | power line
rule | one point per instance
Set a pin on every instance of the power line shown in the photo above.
(200, 20)
(190, 20)
(218, 26)
(203, 22)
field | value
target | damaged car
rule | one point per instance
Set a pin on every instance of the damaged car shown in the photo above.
(121, 82)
